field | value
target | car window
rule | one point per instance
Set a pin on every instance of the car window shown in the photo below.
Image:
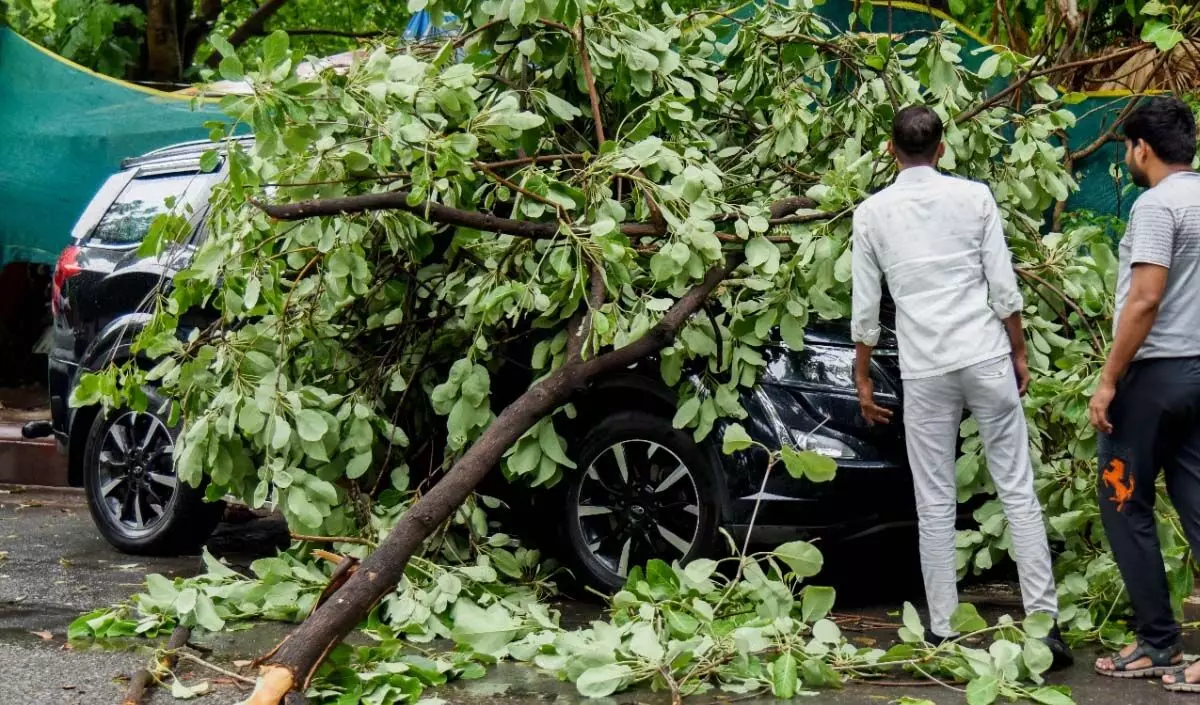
(128, 219)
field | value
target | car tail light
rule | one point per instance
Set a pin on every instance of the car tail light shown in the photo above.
(66, 268)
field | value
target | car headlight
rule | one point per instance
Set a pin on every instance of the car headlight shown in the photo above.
(821, 444)
(827, 366)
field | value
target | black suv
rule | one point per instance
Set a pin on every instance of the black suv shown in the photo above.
(644, 489)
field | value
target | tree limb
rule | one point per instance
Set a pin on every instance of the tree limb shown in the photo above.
(1097, 342)
(252, 26)
(1030, 75)
(300, 654)
(488, 222)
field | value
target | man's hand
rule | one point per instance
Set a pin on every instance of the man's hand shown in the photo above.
(872, 412)
(1098, 407)
(1021, 367)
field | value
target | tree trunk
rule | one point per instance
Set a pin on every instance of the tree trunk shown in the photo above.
(291, 666)
(162, 42)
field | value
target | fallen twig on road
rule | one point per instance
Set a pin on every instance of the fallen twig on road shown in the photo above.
(144, 678)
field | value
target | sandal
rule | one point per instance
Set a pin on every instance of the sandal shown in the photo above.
(1181, 686)
(1162, 662)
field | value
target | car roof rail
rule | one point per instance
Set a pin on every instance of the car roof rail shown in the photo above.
(182, 149)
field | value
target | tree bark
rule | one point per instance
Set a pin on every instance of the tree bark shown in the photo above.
(164, 62)
(292, 665)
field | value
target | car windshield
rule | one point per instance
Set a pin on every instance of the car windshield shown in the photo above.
(129, 217)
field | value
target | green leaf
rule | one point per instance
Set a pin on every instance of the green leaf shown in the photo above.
(827, 632)
(989, 66)
(842, 271)
(209, 161)
(783, 676)
(231, 69)
(1051, 696)
(736, 439)
(807, 464)
(802, 557)
(358, 465)
(646, 643)
(758, 251)
(311, 426)
(303, 509)
(281, 434)
(983, 690)
(791, 329)
(686, 413)
(206, 614)
(275, 48)
(1037, 656)
(603, 681)
(912, 623)
(551, 444)
(816, 602)
(1163, 35)
(966, 619)
(1038, 625)
(222, 45)
(485, 631)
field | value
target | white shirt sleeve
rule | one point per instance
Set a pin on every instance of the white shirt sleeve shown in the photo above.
(867, 287)
(1004, 295)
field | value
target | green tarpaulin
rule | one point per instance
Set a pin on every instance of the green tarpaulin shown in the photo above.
(63, 130)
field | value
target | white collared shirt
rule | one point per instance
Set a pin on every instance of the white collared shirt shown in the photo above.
(939, 243)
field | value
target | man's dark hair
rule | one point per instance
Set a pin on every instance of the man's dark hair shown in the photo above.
(917, 132)
(1168, 126)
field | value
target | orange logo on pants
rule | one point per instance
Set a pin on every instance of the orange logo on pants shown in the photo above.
(1116, 478)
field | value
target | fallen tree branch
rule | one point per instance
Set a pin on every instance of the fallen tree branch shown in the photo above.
(488, 222)
(213, 667)
(299, 655)
(1016, 85)
(1097, 341)
(142, 681)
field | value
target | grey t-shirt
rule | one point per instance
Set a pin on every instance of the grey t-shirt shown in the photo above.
(1164, 229)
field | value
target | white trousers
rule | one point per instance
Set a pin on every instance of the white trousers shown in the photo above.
(933, 409)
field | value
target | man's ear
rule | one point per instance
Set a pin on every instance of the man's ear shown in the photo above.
(941, 150)
(891, 149)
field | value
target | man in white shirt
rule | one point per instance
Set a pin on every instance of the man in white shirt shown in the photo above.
(939, 243)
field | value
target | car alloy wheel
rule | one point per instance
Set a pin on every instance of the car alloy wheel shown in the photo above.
(137, 481)
(636, 502)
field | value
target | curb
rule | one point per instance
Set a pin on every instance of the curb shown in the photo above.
(25, 461)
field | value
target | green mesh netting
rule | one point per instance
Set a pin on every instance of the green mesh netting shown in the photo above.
(1098, 190)
(66, 129)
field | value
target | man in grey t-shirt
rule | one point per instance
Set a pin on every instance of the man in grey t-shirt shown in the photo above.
(1147, 403)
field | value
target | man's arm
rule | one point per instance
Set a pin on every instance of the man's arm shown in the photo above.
(1004, 294)
(1016, 337)
(864, 323)
(1146, 287)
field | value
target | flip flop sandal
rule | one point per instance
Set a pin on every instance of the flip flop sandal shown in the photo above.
(1181, 686)
(1162, 662)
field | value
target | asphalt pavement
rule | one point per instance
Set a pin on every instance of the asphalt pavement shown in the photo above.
(54, 566)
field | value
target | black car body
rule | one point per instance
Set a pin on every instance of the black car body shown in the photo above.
(644, 488)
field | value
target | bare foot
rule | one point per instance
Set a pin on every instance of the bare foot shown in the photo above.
(1106, 663)
(1191, 675)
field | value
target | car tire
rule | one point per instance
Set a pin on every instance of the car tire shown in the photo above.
(643, 490)
(135, 498)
